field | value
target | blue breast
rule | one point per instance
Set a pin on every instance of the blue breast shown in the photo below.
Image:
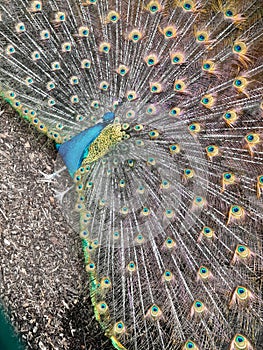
(74, 150)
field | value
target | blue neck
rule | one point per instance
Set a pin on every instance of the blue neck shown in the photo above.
(76, 149)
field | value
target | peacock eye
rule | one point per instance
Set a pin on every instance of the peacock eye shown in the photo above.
(20, 27)
(240, 83)
(154, 6)
(44, 34)
(235, 209)
(85, 64)
(131, 95)
(241, 342)
(116, 234)
(122, 70)
(135, 36)
(140, 238)
(241, 290)
(187, 7)
(156, 88)
(119, 327)
(208, 101)
(189, 344)
(83, 32)
(131, 266)
(240, 48)
(174, 112)
(11, 49)
(60, 17)
(174, 149)
(124, 210)
(151, 110)
(66, 47)
(188, 173)
(177, 58)
(239, 339)
(179, 86)
(202, 37)
(104, 86)
(203, 270)
(74, 99)
(169, 32)
(36, 6)
(35, 55)
(241, 249)
(154, 134)
(151, 60)
(130, 114)
(138, 127)
(95, 104)
(51, 102)
(169, 243)
(113, 17)
(229, 13)
(208, 66)
(155, 309)
(104, 47)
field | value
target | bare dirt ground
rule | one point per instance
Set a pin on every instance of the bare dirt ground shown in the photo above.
(43, 284)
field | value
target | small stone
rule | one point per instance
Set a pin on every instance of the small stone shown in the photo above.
(7, 242)
(41, 346)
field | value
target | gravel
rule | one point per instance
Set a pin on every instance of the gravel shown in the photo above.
(43, 284)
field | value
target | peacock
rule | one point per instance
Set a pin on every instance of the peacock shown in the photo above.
(155, 109)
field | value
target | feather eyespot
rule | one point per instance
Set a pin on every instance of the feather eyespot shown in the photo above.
(135, 36)
(154, 7)
(177, 58)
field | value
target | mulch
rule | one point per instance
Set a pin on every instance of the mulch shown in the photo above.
(43, 284)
